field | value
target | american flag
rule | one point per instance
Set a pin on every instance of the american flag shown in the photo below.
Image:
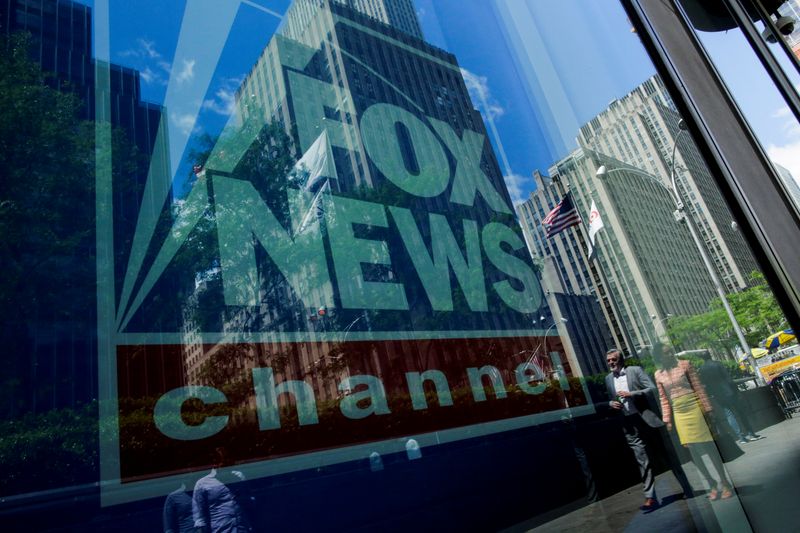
(561, 217)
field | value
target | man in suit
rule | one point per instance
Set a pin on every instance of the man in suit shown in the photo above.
(633, 394)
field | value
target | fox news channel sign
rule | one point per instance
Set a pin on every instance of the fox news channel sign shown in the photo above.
(333, 320)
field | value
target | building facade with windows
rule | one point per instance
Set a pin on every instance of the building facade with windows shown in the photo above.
(644, 260)
(317, 280)
(641, 129)
(58, 35)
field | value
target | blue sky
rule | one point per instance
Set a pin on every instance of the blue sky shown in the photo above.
(191, 58)
(546, 68)
(536, 69)
(767, 112)
(535, 80)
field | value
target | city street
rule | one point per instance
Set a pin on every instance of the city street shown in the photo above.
(764, 478)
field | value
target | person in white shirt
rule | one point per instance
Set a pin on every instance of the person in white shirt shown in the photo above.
(633, 394)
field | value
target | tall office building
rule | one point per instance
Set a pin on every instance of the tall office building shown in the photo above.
(363, 69)
(647, 267)
(588, 336)
(789, 182)
(580, 315)
(61, 44)
(331, 70)
(61, 358)
(641, 129)
(398, 14)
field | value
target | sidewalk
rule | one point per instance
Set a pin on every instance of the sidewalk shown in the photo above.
(766, 479)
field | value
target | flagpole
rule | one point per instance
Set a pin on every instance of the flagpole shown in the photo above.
(643, 325)
(604, 280)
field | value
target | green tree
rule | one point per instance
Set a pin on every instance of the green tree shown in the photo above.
(755, 308)
(47, 218)
(267, 164)
(711, 330)
(48, 286)
(46, 165)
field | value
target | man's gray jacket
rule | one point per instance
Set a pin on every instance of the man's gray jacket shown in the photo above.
(643, 394)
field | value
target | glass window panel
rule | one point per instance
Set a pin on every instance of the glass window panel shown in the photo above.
(762, 104)
(343, 264)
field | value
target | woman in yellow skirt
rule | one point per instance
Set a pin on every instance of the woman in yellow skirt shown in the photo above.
(683, 404)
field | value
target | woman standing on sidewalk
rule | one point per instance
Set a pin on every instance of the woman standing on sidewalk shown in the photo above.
(683, 402)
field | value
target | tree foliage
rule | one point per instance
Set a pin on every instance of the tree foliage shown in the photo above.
(755, 308)
(46, 160)
(47, 217)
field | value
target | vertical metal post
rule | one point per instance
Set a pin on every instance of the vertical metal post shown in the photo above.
(771, 65)
(623, 330)
(682, 213)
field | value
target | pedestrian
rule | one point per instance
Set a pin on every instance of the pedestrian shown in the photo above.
(683, 404)
(177, 513)
(633, 394)
(220, 503)
(724, 395)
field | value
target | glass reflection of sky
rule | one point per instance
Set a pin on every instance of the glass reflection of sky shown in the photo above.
(538, 70)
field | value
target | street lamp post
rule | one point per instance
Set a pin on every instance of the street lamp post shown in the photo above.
(681, 214)
(347, 329)
(346, 333)
(544, 340)
(660, 321)
(563, 321)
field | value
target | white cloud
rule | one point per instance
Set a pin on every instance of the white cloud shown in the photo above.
(184, 122)
(152, 67)
(481, 95)
(147, 75)
(152, 77)
(187, 71)
(782, 112)
(149, 48)
(224, 101)
(514, 184)
(144, 49)
(787, 156)
(482, 99)
(789, 126)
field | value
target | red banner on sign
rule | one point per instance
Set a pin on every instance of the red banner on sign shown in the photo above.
(179, 403)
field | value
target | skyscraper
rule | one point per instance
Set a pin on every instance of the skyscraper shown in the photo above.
(387, 257)
(789, 182)
(331, 70)
(61, 358)
(640, 130)
(61, 44)
(398, 14)
(646, 261)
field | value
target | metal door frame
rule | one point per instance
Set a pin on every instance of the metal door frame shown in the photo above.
(767, 217)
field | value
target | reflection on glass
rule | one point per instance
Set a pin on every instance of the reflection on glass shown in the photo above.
(221, 500)
(309, 238)
(766, 111)
(344, 252)
(178, 517)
